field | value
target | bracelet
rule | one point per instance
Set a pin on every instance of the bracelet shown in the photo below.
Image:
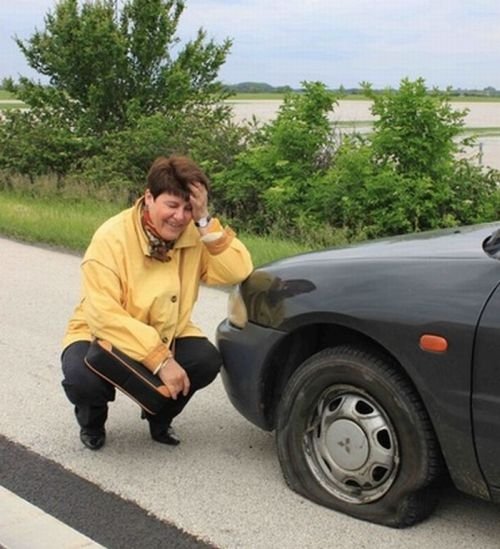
(161, 365)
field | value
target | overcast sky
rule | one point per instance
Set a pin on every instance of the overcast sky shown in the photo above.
(339, 42)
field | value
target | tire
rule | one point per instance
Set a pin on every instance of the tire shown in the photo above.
(353, 435)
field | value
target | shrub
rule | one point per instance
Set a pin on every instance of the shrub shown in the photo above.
(269, 181)
(125, 156)
(405, 176)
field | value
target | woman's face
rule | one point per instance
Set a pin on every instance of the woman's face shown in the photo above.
(170, 214)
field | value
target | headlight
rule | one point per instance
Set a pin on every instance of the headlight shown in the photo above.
(236, 309)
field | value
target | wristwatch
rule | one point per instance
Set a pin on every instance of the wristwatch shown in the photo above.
(203, 222)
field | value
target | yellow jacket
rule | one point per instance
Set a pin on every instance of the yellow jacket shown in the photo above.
(140, 304)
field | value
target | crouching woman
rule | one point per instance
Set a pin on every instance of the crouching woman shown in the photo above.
(140, 279)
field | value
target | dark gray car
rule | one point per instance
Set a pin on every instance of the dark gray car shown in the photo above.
(377, 365)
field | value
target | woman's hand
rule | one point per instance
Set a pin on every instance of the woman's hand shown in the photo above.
(199, 200)
(175, 378)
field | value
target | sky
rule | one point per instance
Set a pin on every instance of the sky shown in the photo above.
(338, 42)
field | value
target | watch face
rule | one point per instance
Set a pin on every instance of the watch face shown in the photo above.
(203, 222)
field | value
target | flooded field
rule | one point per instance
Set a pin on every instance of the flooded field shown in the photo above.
(356, 115)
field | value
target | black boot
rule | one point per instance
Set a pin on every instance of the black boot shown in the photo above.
(91, 420)
(160, 430)
(164, 434)
(93, 439)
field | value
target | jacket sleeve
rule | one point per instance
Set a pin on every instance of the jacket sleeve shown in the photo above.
(226, 259)
(108, 320)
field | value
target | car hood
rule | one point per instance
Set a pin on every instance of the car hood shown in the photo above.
(456, 243)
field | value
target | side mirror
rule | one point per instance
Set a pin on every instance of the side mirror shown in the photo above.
(491, 245)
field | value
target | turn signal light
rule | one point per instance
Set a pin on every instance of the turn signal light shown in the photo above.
(433, 343)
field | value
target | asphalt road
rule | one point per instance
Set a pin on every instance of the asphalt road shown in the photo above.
(222, 486)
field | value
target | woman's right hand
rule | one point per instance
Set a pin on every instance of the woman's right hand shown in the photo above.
(175, 378)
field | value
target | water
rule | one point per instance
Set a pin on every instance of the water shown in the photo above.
(358, 115)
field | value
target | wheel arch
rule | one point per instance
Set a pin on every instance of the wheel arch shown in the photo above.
(306, 341)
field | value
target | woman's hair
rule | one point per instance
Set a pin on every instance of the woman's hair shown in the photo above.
(173, 174)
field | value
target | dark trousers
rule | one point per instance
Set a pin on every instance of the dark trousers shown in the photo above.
(90, 393)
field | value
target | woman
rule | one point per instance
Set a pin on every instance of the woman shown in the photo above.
(140, 279)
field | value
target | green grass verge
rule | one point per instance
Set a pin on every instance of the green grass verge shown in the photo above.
(57, 222)
(266, 249)
(280, 96)
(70, 224)
(11, 106)
(494, 131)
(6, 95)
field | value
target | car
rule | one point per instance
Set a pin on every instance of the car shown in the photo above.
(376, 365)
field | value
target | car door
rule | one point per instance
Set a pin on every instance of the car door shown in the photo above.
(486, 390)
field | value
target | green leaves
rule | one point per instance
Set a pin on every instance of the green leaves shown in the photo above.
(266, 188)
(118, 77)
(100, 58)
(415, 129)
(406, 176)
(122, 90)
(294, 180)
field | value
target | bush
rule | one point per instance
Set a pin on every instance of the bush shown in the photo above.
(406, 175)
(268, 182)
(125, 156)
(415, 129)
(33, 145)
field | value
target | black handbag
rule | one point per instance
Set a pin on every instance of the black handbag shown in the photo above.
(128, 375)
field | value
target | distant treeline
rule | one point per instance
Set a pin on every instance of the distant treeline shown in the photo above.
(8, 84)
(262, 87)
(257, 87)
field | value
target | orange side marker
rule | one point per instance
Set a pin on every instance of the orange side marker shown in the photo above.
(433, 343)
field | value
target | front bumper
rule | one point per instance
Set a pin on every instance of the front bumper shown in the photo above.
(246, 354)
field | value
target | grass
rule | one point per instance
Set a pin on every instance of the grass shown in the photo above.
(5, 95)
(483, 132)
(55, 221)
(69, 224)
(10, 106)
(266, 249)
(5, 101)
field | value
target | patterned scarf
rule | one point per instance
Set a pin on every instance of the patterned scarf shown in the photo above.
(158, 248)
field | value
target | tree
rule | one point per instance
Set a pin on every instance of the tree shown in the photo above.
(7, 84)
(275, 172)
(117, 77)
(107, 65)
(415, 129)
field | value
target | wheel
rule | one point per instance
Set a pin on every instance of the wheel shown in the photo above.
(353, 435)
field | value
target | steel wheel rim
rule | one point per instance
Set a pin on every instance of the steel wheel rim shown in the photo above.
(351, 446)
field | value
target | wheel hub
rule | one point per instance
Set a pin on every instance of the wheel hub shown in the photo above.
(347, 444)
(351, 446)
